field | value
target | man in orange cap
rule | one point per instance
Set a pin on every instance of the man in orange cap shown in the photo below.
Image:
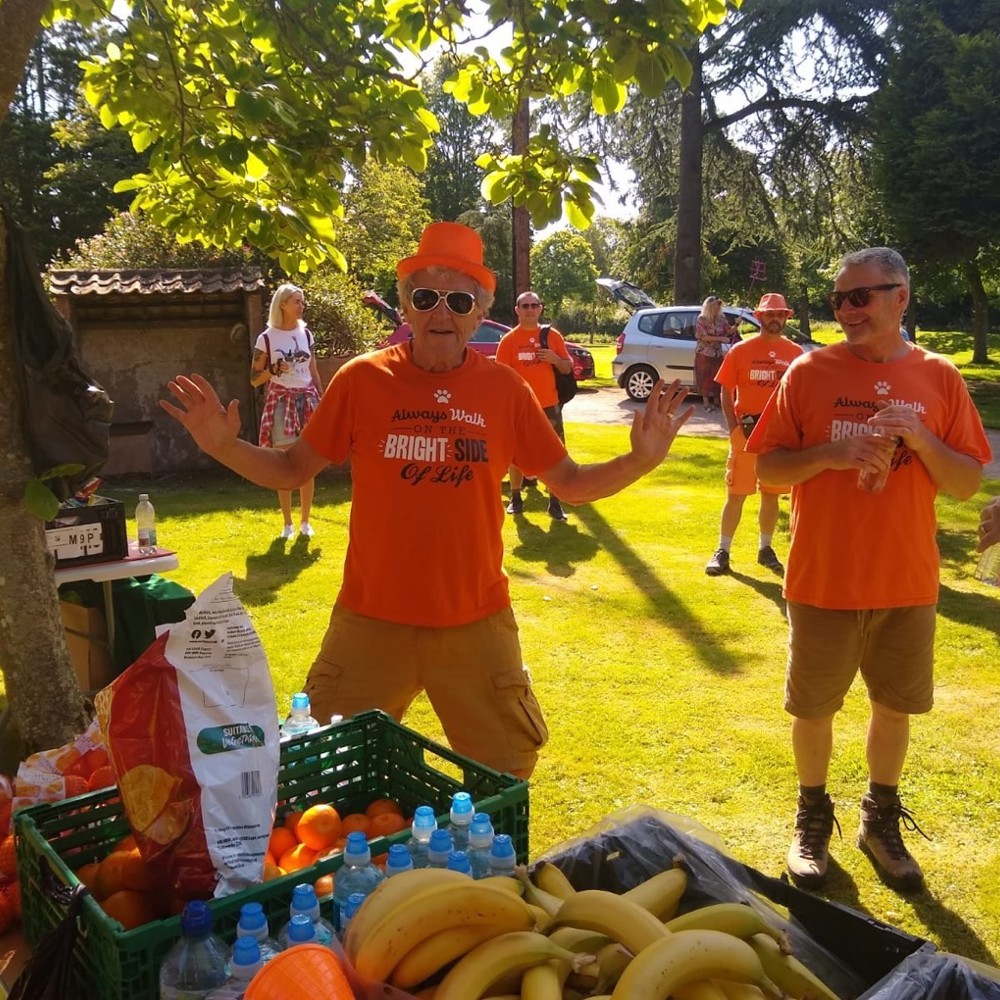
(750, 372)
(863, 565)
(430, 429)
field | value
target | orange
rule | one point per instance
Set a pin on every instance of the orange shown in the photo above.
(324, 886)
(385, 824)
(7, 915)
(123, 870)
(272, 871)
(131, 909)
(380, 806)
(94, 758)
(136, 873)
(292, 821)
(269, 858)
(102, 777)
(355, 821)
(75, 785)
(282, 839)
(88, 874)
(297, 858)
(12, 892)
(127, 843)
(5, 807)
(8, 857)
(319, 827)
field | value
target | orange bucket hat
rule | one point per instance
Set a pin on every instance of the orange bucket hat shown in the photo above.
(450, 245)
(773, 302)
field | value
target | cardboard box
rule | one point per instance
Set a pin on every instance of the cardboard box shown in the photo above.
(90, 533)
(87, 641)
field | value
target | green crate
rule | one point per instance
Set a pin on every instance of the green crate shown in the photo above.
(348, 764)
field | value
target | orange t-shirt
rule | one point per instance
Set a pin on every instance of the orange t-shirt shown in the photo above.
(851, 549)
(753, 368)
(428, 453)
(517, 349)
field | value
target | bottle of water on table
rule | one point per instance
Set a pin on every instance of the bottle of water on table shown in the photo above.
(357, 874)
(502, 856)
(196, 964)
(423, 825)
(480, 842)
(145, 525)
(461, 815)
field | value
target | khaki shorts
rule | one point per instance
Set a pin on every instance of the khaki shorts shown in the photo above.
(473, 676)
(741, 469)
(892, 647)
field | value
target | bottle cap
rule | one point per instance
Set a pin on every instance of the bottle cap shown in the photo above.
(356, 850)
(196, 918)
(300, 928)
(481, 824)
(352, 903)
(143, 496)
(441, 841)
(304, 898)
(398, 859)
(461, 808)
(503, 846)
(424, 819)
(246, 952)
(300, 702)
(252, 917)
(458, 861)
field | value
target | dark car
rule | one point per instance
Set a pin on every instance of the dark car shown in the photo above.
(484, 340)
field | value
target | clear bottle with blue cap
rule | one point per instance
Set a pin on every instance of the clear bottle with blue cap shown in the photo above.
(458, 861)
(253, 924)
(301, 929)
(305, 903)
(462, 811)
(351, 907)
(300, 719)
(398, 860)
(196, 964)
(480, 842)
(245, 963)
(423, 825)
(502, 857)
(357, 874)
(439, 847)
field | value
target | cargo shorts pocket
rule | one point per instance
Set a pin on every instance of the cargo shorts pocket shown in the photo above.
(519, 709)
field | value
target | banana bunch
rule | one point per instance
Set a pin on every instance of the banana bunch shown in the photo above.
(442, 936)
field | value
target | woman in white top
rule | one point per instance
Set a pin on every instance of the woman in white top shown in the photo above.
(283, 360)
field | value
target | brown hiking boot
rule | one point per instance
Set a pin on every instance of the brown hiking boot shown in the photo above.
(809, 855)
(879, 837)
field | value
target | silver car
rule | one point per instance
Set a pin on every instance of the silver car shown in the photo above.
(659, 341)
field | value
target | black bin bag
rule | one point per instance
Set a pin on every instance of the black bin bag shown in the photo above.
(66, 414)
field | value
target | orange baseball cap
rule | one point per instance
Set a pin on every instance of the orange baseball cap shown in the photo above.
(450, 245)
(773, 302)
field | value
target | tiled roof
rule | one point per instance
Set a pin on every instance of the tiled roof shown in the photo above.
(155, 281)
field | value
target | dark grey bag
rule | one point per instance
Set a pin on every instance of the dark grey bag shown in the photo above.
(565, 383)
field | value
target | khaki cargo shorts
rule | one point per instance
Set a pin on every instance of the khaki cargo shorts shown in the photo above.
(741, 469)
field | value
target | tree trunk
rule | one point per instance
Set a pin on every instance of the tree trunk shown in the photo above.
(20, 23)
(980, 314)
(520, 218)
(44, 701)
(803, 311)
(687, 255)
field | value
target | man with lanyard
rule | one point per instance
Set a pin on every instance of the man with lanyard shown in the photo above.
(521, 349)
(863, 564)
(750, 373)
(430, 428)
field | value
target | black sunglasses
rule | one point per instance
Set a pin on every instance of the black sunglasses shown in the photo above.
(858, 297)
(426, 299)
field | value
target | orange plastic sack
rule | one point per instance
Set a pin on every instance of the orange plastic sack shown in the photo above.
(192, 731)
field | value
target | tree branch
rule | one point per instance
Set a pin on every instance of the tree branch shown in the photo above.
(851, 110)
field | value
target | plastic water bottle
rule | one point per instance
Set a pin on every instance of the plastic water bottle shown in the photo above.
(398, 860)
(502, 856)
(988, 569)
(305, 903)
(439, 847)
(300, 719)
(145, 525)
(301, 930)
(874, 482)
(357, 874)
(351, 907)
(253, 924)
(480, 842)
(461, 818)
(423, 825)
(246, 963)
(196, 964)
(458, 861)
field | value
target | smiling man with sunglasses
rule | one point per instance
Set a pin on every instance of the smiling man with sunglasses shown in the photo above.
(862, 577)
(430, 429)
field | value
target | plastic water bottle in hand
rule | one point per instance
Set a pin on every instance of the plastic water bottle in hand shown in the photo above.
(462, 812)
(423, 825)
(196, 964)
(988, 569)
(480, 842)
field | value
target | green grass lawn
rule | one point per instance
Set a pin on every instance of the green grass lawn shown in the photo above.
(662, 686)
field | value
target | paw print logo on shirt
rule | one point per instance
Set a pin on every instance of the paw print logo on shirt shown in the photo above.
(882, 388)
(442, 396)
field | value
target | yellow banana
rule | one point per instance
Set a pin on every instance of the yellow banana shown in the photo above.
(578, 939)
(606, 969)
(552, 879)
(542, 919)
(449, 905)
(700, 989)
(441, 949)
(737, 991)
(687, 956)
(618, 917)
(732, 918)
(535, 895)
(544, 981)
(473, 974)
(503, 882)
(788, 972)
(390, 894)
(660, 894)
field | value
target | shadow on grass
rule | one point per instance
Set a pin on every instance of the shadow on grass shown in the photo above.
(978, 610)
(559, 544)
(953, 933)
(267, 572)
(769, 589)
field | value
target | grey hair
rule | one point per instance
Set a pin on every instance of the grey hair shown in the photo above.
(281, 293)
(888, 261)
(405, 286)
